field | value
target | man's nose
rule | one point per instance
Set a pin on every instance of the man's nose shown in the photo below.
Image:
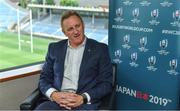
(75, 30)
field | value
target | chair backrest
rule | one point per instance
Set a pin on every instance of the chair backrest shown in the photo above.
(108, 102)
(114, 73)
(35, 98)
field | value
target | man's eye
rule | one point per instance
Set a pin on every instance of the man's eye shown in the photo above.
(69, 29)
(77, 26)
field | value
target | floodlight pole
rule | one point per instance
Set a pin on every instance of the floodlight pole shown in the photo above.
(93, 18)
(30, 16)
(18, 27)
(50, 14)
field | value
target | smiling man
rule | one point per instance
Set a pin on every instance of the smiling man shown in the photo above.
(77, 72)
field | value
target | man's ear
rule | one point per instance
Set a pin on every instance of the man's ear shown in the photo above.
(62, 30)
(83, 25)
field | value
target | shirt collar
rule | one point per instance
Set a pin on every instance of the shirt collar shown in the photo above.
(81, 45)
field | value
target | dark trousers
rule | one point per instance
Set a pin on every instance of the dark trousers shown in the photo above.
(50, 105)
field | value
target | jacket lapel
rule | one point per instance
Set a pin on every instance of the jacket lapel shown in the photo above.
(86, 55)
(87, 52)
(62, 55)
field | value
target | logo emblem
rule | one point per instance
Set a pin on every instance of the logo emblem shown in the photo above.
(163, 45)
(173, 65)
(126, 40)
(176, 17)
(117, 54)
(152, 62)
(154, 16)
(143, 42)
(133, 60)
(135, 14)
(119, 13)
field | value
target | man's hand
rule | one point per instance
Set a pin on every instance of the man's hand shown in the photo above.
(75, 101)
(67, 100)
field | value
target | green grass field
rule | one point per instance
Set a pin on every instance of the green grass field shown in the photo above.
(10, 56)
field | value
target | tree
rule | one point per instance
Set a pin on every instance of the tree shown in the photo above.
(50, 2)
(23, 3)
(69, 2)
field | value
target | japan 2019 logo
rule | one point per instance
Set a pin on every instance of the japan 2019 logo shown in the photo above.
(143, 96)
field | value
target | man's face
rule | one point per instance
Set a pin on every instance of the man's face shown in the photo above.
(73, 28)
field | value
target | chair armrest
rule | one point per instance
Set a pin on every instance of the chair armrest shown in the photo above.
(112, 102)
(108, 102)
(30, 102)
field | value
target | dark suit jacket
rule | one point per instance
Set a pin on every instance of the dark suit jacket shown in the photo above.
(95, 75)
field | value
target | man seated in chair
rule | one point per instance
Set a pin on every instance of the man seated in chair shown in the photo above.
(77, 72)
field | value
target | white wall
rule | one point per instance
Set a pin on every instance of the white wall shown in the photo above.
(13, 92)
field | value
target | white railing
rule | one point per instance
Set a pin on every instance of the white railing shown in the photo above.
(92, 9)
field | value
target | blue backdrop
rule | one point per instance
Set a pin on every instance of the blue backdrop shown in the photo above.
(144, 41)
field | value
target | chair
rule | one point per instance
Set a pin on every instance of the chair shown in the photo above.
(108, 102)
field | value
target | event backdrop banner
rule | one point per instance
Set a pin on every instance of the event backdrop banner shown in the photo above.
(144, 42)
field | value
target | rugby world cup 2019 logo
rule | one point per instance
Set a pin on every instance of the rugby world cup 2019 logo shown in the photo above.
(119, 13)
(173, 65)
(134, 58)
(163, 45)
(117, 55)
(176, 17)
(126, 40)
(154, 16)
(143, 43)
(152, 62)
(147, 97)
(135, 14)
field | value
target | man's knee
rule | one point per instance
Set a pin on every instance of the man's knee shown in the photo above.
(48, 105)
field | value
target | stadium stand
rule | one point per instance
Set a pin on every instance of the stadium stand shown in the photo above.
(48, 26)
(8, 15)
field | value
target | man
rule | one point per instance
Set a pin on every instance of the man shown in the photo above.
(77, 72)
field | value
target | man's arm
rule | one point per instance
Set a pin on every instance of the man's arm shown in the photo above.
(67, 100)
(104, 78)
(46, 77)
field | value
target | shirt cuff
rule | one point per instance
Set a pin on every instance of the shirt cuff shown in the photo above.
(49, 92)
(88, 98)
